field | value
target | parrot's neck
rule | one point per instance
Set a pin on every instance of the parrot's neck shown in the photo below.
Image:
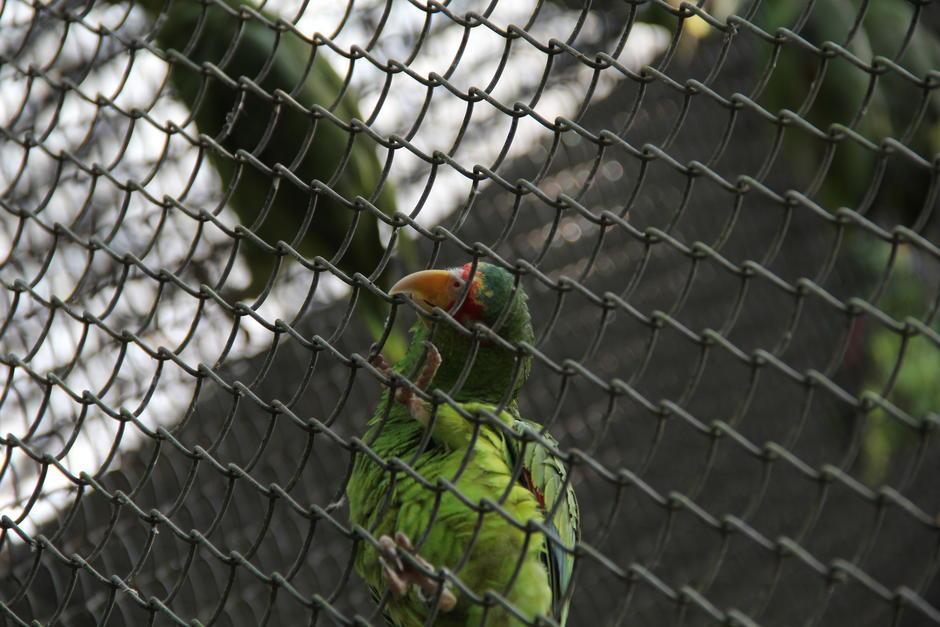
(496, 375)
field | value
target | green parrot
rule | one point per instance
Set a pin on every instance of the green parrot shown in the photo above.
(243, 46)
(486, 462)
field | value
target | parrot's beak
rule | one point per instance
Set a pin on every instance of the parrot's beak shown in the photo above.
(430, 288)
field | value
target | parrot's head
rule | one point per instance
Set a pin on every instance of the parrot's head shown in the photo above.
(484, 293)
(490, 291)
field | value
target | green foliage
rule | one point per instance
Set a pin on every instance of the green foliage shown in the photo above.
(275, 133)
(915, 387)
(827, 89)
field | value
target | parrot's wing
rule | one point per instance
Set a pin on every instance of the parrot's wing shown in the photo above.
(547, 478)
(377, 598)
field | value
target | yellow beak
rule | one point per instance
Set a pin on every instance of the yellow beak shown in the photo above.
(429, 288)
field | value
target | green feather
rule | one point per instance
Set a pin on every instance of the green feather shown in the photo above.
(479, 456)
(549, 476)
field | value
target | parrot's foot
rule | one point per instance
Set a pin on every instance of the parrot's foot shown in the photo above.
(419, 408)
(431, 363)
(401, 576)
(381, 364)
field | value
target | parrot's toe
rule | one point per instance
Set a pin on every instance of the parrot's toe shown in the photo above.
(431, 363)
(378, 362)
(400, 575)
(420, 409)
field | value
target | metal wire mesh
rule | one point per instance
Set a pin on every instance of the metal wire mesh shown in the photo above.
(712, 305)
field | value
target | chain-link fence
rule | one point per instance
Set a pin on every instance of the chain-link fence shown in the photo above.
(724, 217)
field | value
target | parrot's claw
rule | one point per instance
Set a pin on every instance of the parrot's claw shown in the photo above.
(404, 395)
(401, 576)
(419, 408)
(378, 362)
(431, 363)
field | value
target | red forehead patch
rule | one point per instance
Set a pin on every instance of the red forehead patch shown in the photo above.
(471, 309)
(465, 271)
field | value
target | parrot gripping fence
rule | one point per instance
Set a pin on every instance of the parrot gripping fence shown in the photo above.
(745, 409)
